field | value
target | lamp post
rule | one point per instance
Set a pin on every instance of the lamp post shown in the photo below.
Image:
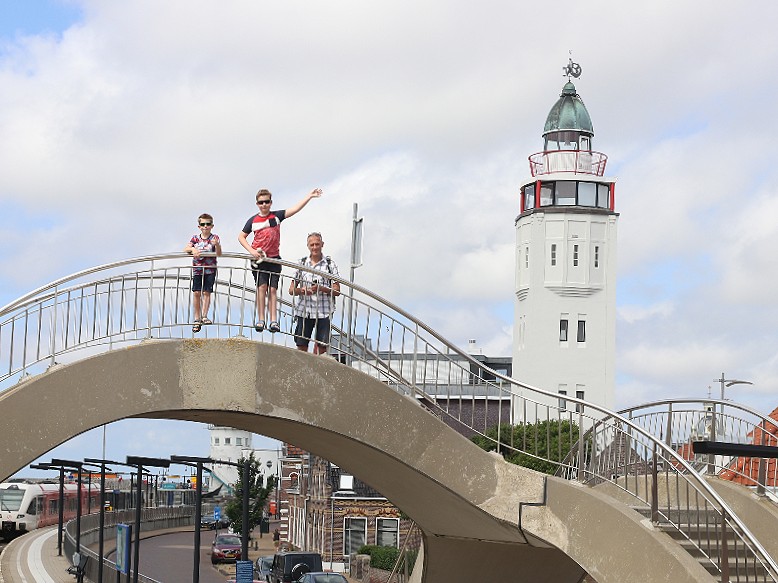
(101, 536)
(78, 466)
(725, 382)
(198, 463)
(139, 462)
(60, 505)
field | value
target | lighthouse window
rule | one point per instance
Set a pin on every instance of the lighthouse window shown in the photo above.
(553, 254)
(563, 330)
(587, 194)
(581, 331)
(603, 196)
(575, 255)
(529, 196)
(546, 194)
(565, 193)
(596, 256)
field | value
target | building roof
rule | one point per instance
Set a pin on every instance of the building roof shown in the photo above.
(569, 113)
(745, 470)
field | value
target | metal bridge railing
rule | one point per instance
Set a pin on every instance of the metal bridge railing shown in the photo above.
(679, 422)
(123, 303)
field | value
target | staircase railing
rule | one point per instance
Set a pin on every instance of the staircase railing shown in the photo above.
(127, 302)
(680, 421)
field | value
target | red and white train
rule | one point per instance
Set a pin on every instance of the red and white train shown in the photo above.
(26, 506)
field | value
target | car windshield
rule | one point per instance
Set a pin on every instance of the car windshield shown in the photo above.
(228, 540)
(265, 563)
(11, 498)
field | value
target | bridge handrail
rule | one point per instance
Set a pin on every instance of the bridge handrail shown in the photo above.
(370, 312)
(679, 421)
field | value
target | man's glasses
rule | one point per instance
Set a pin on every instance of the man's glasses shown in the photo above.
(206, 224)
(268, 201)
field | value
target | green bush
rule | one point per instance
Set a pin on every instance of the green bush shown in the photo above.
(386, 557)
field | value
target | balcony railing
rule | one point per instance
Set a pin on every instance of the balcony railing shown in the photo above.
(575, 161)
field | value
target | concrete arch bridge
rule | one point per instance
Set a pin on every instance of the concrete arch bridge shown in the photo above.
(116, 341)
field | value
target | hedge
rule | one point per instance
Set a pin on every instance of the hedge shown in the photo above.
(386, 557)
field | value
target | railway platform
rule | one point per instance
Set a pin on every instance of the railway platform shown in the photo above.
(33, 558)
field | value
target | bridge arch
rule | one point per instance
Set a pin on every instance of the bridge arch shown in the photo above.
(468, 511)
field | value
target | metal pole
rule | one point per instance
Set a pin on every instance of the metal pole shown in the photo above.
(198, 516)
(244, 542)
(61, 509)
(78, 512)
(101, 540)
(136, 549)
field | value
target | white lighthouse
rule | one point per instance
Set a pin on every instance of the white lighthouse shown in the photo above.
(565, 330)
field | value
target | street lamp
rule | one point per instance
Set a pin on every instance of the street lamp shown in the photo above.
(61, 504)
(140, 462)
(101, 539)
(725, 382)
(198, 463)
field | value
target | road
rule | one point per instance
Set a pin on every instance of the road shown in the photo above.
(169, 558)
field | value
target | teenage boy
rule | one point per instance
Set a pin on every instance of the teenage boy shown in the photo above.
(204, 268)
(315, 294)
(266, 227)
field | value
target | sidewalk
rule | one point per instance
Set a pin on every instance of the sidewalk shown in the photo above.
(36, 555)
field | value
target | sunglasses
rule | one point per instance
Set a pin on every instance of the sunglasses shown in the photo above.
(268, 201)
(206, 224)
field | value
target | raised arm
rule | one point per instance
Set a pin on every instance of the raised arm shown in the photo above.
(291, 211)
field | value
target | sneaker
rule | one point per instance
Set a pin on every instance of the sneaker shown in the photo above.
(260, 326)
(274, 327)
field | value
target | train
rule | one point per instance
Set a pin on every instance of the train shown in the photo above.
(25, 506)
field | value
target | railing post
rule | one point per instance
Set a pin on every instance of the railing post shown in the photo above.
(53, 327)
(761, 477)
(669, 429)
(581, 460)
(724, 556)
(712, 457)
(654, 487)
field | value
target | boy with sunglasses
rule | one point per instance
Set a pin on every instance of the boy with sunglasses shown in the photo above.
(203, 268)
(266, 227)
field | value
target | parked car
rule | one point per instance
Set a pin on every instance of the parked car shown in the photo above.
(211, 524)
(322, 577)
(225, 547)
(262, 568)
(290, 566)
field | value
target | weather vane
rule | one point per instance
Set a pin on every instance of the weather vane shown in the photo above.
(571, 69)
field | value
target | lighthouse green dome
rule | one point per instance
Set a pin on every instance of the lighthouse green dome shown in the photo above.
(569, 113)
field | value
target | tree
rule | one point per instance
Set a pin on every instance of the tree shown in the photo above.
(259, 491)
(532, 445)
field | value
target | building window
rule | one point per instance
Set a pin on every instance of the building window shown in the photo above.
(238, 441)
(578, 406)
(226, 441)
(575, 255)
(596, 256)
(565, 193)
(354, 534)
(562, 402)
(553, 254)
(581, 331)
(563, 330)
(529, 196)
(387, 532)
(526, 258)
(216, 441)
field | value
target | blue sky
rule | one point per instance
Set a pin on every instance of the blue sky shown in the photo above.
(34, 17)
(121, 121)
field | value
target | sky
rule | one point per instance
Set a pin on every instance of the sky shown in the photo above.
(120, 122)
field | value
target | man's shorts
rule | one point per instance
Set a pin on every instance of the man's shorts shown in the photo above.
(203, 282)
(304, 326)
(266, 273)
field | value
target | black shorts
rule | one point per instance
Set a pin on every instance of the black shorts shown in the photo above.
(203, 282)
(266, 273)
(304, 326)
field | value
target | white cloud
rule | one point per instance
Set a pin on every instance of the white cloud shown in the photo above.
(117, 133)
